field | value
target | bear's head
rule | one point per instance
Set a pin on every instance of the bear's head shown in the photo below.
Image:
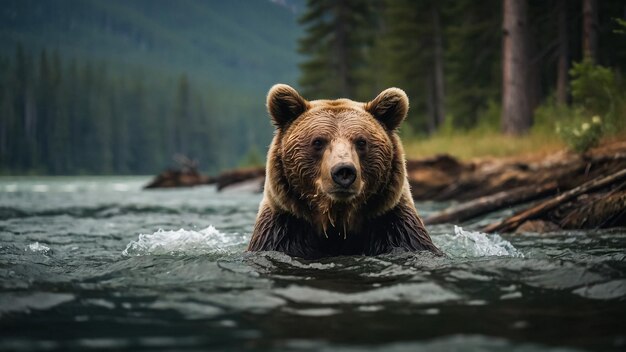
(335, 162)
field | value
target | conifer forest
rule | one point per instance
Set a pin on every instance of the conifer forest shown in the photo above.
(122, 87)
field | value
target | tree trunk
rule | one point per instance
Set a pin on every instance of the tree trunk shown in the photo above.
(430, 104)
(533, 74)
(516, 113)
(345, 90)
(590, 29)
(440, 112)
(562, 65)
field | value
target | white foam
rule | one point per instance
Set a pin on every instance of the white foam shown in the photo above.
(40, 188)
(120, 187)
(69, 188)
(37, 247)
(468, 244)
(185, 242)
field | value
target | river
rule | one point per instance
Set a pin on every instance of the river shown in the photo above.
(96, 263)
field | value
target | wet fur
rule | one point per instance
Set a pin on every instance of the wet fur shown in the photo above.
(298, 217)
(398, 229)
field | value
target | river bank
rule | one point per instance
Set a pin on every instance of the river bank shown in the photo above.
(550, 191)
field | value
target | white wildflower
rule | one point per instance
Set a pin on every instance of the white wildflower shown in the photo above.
(585, 126)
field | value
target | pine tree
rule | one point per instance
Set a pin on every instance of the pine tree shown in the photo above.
(413, 58)
(338, 35)
(182, 116)
(8, 122)
(473, 55)
(59, 135)
(44, 95)
(563, 52)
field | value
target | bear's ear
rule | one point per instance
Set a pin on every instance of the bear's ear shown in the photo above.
(389, 107)
(285, 104)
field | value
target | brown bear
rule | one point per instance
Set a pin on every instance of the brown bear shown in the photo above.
(336, 179)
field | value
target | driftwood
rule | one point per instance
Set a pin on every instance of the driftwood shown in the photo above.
(442, 179)
(173, 178)
(516, 220)
(186, 175)
(234, 177)
(596, 211)
(487, 204)
(488, 185)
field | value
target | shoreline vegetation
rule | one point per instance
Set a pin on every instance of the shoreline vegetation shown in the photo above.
(552, 188)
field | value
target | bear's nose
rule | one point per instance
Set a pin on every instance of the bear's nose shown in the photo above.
(343, 174)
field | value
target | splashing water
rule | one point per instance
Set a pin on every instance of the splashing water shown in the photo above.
(184, 242)
(37, 247)
(464, 244)
(467, 244)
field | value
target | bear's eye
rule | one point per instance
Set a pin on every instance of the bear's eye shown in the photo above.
(361, 144)
(318, 144)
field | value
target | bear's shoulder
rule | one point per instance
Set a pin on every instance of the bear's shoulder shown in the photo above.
(398, 229)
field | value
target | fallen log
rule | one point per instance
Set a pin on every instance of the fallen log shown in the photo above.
(233, 177)
(172, 178)
(487, 204)
(516, 220)
(186, 175)
(600, 210)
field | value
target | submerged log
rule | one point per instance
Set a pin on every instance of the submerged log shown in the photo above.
(537, 226)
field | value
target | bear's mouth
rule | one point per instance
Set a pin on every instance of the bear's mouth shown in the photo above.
(342, 194)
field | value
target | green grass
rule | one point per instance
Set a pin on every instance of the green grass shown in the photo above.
(485, 140)
(480, 143)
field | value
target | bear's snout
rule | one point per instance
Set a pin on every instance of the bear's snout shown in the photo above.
(344, 174)
(340, 176)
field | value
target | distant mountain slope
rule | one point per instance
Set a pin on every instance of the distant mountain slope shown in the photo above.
(238, 44)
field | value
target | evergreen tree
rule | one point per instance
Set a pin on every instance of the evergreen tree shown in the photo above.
(8, 122)
(413, 59)
(473, 35)
(338, 36)
(182, 116)
(82, 118)
(25, 153)
(58, 147)
(44, 98)
(120, 129)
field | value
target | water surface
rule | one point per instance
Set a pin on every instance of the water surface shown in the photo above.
(96, 263)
